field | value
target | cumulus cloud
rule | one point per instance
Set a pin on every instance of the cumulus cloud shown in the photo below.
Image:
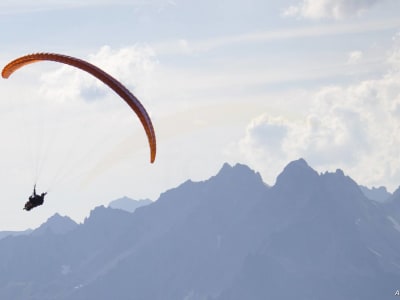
(132, 66)
(353, 127)
(333, 9)
(264, 134)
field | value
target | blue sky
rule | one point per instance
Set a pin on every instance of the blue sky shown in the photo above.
(255, 82)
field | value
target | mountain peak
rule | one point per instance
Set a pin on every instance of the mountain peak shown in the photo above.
(339, 172)
(56, 224)
(299, 163)
(101, 214)
(237, 168)
(97, 213)
(296, 171)
(238, 173)
(228, 168)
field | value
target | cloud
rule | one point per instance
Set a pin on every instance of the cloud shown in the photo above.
(265, 134)
(354, 57)
(336, 129)
(353, 127)
(132, 66)
(331, 9)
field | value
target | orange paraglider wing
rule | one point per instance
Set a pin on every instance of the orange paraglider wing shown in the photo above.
(114, 84)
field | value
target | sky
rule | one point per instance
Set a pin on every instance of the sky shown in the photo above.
(255, 82)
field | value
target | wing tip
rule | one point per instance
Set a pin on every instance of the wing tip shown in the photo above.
(5, 74)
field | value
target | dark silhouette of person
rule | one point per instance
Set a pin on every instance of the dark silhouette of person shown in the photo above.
(34, 200)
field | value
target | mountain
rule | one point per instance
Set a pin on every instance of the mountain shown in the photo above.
(378, 194)
(330, 242)
(128, 204)
(56, 225)
(310, 236)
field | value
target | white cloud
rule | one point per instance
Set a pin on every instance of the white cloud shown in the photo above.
(352, 127)
(132, 66)
(265, 134)
(336, 9)
(354, 57)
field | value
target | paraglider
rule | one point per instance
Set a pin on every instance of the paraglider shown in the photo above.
(114, 84)
(35, 199)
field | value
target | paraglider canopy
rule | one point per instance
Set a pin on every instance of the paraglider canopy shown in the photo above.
(114, 84)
